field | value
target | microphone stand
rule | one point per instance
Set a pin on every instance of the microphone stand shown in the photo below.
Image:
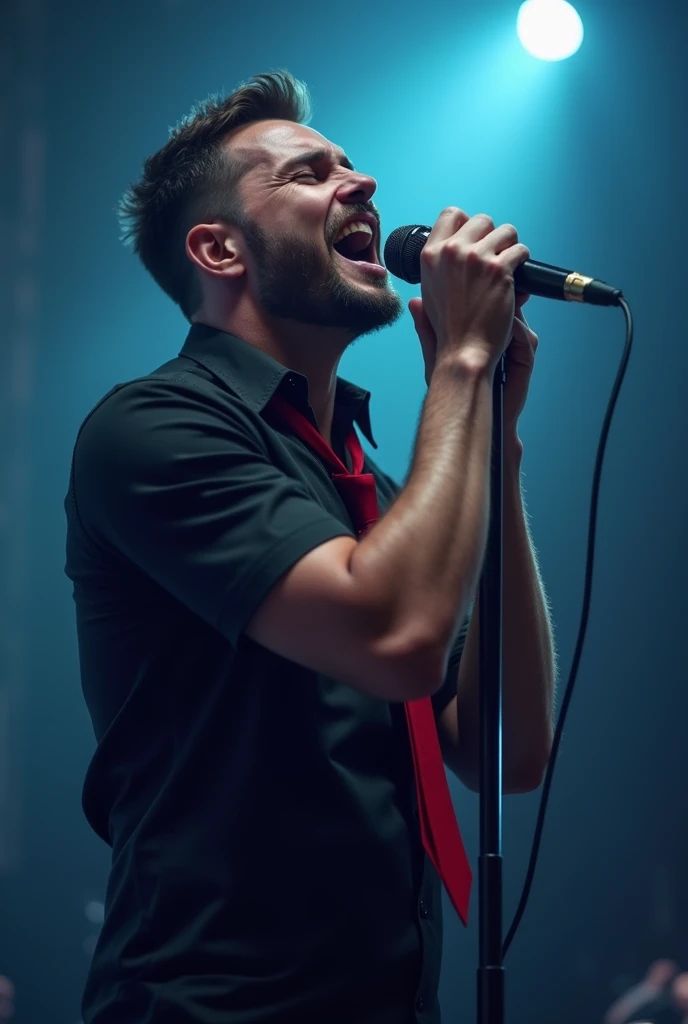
(490, 973)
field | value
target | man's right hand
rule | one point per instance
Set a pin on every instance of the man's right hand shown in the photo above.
(467, 285)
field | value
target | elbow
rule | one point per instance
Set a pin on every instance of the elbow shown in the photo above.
(514, 780)
(420, 675)
(524, 780)
(524, 775)
(528, 774)
(517, 779)
(413, 666)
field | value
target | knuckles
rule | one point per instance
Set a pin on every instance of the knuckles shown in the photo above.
(486, 219)
(428, 255)
(453, 251)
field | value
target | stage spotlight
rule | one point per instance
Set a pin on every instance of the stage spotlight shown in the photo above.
(549, 29)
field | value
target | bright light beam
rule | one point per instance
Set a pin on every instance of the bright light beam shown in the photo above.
(549, 29)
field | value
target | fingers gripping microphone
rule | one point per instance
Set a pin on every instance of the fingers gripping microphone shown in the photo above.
(402, 258)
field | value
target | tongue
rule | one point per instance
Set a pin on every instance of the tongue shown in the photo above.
(353, 243)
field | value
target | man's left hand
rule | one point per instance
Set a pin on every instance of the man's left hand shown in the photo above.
(520, 359)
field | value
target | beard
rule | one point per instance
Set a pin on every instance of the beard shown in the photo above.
(296, 281)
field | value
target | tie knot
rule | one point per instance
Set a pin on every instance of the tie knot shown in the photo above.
(360, 497)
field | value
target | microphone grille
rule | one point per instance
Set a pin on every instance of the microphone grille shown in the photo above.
(403, 249)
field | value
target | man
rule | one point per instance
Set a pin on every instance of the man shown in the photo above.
(660, 998)
(246, 649)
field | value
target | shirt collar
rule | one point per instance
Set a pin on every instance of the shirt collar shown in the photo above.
(255, 376)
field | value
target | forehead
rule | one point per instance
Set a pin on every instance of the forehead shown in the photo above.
(267, 145)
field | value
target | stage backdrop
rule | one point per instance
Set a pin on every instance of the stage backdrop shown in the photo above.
(440, 104)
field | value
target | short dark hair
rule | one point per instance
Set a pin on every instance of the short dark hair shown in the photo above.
(193, 179)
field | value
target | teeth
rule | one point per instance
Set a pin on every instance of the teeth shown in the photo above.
(356, 225)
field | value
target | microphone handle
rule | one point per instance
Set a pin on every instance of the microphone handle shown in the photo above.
(541, 279)
(536, 278)
(555, 283)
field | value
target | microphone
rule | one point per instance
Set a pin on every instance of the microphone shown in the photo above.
(402, 258)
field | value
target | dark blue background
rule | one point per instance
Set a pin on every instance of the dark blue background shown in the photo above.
(438, 101)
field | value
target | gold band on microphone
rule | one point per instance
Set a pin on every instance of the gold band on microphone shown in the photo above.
(574, 286)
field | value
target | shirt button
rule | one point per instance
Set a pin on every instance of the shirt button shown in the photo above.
(423, 909)
(420, 1004)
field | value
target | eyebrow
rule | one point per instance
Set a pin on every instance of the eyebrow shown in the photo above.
(315, 156)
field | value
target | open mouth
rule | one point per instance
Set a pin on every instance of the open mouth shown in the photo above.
(356, 243)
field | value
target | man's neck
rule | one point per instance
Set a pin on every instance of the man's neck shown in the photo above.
(320, 370)
(307, 349)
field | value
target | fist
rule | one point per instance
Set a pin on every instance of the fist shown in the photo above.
(427, 336)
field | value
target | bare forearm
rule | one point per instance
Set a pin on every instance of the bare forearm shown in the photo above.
(424, 556)
(529, 660)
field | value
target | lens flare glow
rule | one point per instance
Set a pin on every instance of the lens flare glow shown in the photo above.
(549, 29)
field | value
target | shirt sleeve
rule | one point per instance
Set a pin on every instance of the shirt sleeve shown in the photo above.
(180, 482)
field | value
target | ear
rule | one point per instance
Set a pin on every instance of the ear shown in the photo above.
(217, 249)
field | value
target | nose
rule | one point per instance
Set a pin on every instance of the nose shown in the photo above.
(357, 188)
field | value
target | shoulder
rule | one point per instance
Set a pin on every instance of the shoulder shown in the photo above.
(161, 410)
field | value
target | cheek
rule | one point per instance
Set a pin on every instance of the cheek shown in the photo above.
(311, 213)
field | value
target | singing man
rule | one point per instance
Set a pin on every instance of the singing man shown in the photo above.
(279, 645)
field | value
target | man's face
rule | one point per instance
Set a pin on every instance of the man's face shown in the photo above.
(298, 194)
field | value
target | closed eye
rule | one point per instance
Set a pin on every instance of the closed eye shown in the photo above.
(313, 176)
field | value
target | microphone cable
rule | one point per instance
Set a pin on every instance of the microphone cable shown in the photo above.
(547, 784)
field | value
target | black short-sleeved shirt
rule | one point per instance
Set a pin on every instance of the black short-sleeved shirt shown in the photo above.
(266, 860)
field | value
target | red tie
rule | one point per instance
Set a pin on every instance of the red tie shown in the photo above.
(439, 830)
